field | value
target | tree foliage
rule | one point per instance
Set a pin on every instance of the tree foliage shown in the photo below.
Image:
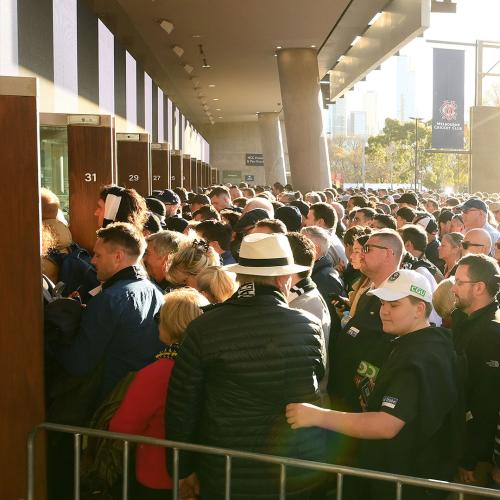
(390, 158)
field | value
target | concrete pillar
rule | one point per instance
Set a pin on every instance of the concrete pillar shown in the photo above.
(485, 147)
(272, 148)
(306, 138)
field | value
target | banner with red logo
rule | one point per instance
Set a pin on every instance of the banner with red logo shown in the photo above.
(448, 99)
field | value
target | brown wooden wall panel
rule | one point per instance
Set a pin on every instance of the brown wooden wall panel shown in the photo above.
(90, 168)
(213, 176)
(133, 165)
(186, 172)
(194, 184)
(160, 167)
(205, 175)
(176, 170)
(21, 334)
(199, 174)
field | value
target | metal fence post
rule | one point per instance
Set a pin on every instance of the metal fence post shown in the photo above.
(76, 454)
(175, 479)
(30, 487)
(125, 470)
(282, 481)
(340, 484)
(399, 491)
(227, 493)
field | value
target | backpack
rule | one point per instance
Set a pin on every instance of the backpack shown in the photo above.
(69, 399)
(75, 270)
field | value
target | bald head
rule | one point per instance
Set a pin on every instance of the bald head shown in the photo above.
(259, 203)
(477, 241)
(339, 209)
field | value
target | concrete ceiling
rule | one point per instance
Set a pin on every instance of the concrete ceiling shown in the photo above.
(239, 40)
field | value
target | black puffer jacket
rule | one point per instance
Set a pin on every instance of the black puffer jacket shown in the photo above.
(239, 366)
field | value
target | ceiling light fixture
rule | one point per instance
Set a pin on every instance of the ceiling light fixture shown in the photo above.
(375, 18)
(215, 99)
(356, 40)
(211, 85)
(177, 50)
(188, 68)
(205, 64)
(218, 109)
(313, 46)
(166, 26)
(195, 36)
(278, 47)
(444, 6)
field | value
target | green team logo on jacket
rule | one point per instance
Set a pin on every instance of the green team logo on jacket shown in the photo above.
(418, 291)
(368, 370)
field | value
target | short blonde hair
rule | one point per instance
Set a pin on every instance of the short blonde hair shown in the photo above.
(443, 299)
(192, 258)
(217, 283)
(180, 307)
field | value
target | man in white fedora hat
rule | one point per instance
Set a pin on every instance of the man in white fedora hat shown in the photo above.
(240, 364)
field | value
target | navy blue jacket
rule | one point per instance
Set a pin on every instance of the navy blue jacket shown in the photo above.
(118, 327)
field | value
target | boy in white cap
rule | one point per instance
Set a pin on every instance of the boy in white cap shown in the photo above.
(413, 412)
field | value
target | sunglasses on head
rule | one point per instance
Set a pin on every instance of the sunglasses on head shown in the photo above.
(467, 244)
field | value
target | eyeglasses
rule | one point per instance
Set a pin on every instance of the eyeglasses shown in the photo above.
(367, 248)
(464, 282)
(467, 244)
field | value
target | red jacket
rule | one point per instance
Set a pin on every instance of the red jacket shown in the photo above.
(143, 412)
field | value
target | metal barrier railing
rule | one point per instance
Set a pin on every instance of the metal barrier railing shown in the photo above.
(283, 462)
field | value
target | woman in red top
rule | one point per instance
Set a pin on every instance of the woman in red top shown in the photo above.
(143, 408)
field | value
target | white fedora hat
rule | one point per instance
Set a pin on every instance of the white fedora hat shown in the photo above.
(266, 255)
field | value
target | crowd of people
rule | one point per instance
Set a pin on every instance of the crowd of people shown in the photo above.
(356, 327)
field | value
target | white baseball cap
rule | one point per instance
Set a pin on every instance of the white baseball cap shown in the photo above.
(404, 283)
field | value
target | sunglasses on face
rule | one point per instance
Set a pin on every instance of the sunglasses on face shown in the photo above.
(367, 248)
(468, 244)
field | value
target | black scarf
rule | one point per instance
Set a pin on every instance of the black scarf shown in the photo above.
(303, 286)
(250, 290)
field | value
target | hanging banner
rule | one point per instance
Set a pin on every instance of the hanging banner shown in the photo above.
(448, 102)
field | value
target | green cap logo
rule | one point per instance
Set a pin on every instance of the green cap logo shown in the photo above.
(418, 291)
